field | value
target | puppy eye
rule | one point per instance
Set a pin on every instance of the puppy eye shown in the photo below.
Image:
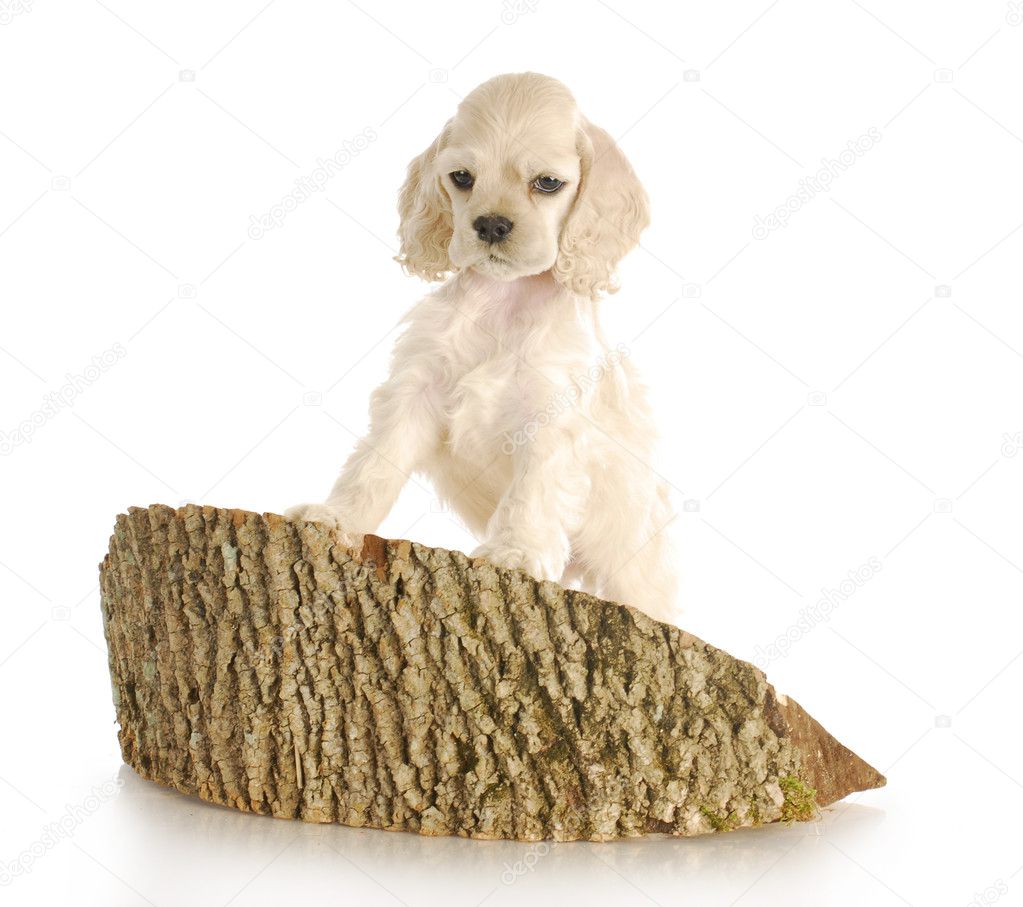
(462, 178)
(547, 184)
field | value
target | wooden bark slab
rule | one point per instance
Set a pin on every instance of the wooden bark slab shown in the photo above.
(259, 664)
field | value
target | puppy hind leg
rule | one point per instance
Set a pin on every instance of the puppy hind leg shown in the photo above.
(647, 580)
(632, 557)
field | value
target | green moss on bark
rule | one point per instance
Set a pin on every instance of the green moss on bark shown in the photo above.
(800, 800)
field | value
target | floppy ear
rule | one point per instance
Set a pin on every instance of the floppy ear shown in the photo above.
(425, 211)
(608, 214)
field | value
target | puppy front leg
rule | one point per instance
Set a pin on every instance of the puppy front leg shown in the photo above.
(403, 429)
(529, 528)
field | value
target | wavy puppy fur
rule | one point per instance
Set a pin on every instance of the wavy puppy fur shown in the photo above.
(503, 391)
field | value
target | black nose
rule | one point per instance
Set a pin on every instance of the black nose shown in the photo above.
(492, 228)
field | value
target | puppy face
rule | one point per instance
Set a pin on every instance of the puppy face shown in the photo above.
(517, 183)
(510, 172)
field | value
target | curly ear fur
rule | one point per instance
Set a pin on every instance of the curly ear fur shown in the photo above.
(608, 214)
(425, 210)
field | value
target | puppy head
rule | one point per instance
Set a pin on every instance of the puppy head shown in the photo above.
(519, 182)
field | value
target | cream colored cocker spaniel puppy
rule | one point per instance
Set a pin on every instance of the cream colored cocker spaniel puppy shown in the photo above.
(502, 390)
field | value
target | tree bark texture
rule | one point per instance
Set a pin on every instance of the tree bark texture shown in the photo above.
(258, 663)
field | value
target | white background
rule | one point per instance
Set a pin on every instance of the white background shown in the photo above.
(822, 401)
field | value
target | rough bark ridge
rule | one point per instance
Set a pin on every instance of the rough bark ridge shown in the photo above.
(258, 664)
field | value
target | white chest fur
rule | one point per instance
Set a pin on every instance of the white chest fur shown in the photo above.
(509, 356)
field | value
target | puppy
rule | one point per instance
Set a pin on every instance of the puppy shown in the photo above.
(502, 390)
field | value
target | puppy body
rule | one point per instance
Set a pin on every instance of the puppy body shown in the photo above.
(502, 390)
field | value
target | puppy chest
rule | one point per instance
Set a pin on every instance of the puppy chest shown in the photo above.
(483, 407)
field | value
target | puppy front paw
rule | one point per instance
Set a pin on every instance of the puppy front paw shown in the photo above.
(538, 564)
(327, 516)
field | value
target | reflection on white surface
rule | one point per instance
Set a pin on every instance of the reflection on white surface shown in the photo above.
(150, 844)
